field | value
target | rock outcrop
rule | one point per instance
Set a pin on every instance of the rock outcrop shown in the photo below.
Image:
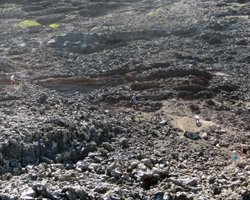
(67, 127)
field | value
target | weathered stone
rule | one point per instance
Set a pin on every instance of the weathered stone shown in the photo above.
(29, 193)
(211, 179)
(192, 135)
(124, 142)
(204, 135)
(147, 162)
(190, 182)
(70, 104)
(163, 122)
(42, 98)
(216, 190)
(182, 196)
(107, 146)
(116, 173)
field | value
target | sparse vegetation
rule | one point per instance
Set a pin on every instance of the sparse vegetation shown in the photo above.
(68, 128)
(54, 25)
(155, 13)
(235, 6)
(28, 24)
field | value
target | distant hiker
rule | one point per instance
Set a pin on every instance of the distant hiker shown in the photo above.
(133, 101)
(235, 155)
(12, 80)
(197, 120)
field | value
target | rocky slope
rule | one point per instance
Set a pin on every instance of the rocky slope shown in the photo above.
(67, 127)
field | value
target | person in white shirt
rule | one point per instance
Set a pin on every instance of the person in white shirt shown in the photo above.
(12, 80)
(197, 120)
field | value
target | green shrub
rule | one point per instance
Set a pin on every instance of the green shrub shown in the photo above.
(54, 25)
(28, 23)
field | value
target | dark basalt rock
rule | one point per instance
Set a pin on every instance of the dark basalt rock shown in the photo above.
(43, 98)
(192, 135)
(246, 195)
(68, 129)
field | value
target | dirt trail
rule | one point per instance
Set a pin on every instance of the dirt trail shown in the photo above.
(188, 124)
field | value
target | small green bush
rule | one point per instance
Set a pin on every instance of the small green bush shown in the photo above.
(54, 25)
(28, 23)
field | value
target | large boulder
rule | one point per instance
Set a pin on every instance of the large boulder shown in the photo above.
(28, 194)
(192, 135)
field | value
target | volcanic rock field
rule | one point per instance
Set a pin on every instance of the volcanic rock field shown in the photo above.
(67, 128)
